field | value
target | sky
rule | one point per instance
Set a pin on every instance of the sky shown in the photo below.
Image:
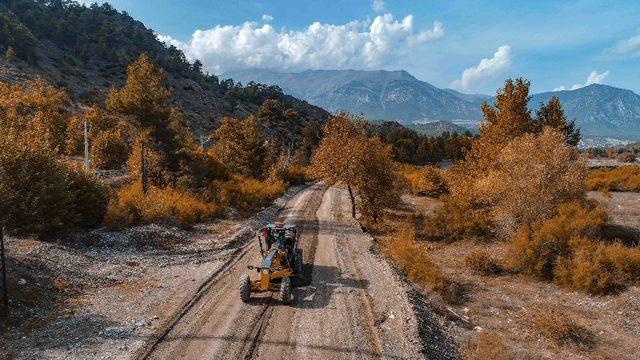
(469, 45)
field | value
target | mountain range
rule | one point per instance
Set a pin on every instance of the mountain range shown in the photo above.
(599, 110)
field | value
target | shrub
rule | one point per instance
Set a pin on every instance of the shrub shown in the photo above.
(410, 259)
(531, 176)
(624, 178)
(554, 324)
(480, 261)
(295, 175)
(109, 150)
(487, 345)
(178, 207)
(74, 137)
(535, 249)
(626, 157)
(426, 181)
(90, 197)
(247, 194)
(42, 195)
(459, 216)
(201, 169)
(599, 268)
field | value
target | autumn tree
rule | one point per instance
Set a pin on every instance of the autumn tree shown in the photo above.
(33, 113)
(552, 115)
(272, 112)
(375, 178)
(337, 158)
(240, 146)
(74, 137)
(508, 118)
(515, 171)
(531, 176)
(41, 194)
(109, 150)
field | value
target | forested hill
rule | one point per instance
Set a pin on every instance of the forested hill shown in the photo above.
(86, 50)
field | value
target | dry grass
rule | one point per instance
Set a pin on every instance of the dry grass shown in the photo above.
(624, 178)
(247, 194)
(481, 262)
(159, 205)
(296, 175)
(554, 324)
(487, 345)
(414, 261)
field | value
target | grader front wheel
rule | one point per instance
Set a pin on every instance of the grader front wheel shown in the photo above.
(245, 288)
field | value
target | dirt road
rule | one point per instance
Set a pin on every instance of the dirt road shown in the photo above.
(351, 305)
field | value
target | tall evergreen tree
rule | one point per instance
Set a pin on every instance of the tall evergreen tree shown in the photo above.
(552, 115)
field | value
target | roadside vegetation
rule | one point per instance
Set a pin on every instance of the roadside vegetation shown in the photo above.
(517, 202)
(45, 193)
(623, 178)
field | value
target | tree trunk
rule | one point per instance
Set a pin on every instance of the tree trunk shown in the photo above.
(353, 201)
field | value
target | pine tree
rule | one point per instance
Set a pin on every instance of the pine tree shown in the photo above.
(552, 115)
(240, 146)
(146, 104)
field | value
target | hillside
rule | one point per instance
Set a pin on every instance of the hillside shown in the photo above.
(599, 110)
(436, 128)
(86, 50)
(388, 95)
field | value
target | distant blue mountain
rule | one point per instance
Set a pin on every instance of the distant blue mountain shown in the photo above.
(599, 110)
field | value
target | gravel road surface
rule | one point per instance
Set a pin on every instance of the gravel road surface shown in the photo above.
(350, 304)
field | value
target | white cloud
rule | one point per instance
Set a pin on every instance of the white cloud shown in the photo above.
(630, 46)
(267, 17)
(377, 6)
(500, 61)
(357, 44)
(593, 78)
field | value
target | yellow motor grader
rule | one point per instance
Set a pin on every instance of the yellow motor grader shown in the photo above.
(281, 260)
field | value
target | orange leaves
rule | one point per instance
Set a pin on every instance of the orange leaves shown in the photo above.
(33, 114)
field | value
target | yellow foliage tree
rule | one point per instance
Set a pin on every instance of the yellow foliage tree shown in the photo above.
(109, 150)
(345, 155)
(74, 137)
(337, 158)
(240, 146)
(531, 176)
(33, 113)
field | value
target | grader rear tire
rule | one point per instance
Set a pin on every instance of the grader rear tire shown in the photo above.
(245, 288)
(285, 290)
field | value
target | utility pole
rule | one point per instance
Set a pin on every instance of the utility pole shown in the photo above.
(143, 168)
(86, 146)
(5, 297)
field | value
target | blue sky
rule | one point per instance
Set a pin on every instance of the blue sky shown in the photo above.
(469, 45)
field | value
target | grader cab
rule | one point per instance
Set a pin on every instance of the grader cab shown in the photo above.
(281, 260)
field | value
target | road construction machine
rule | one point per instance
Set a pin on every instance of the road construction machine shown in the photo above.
(281, 260)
